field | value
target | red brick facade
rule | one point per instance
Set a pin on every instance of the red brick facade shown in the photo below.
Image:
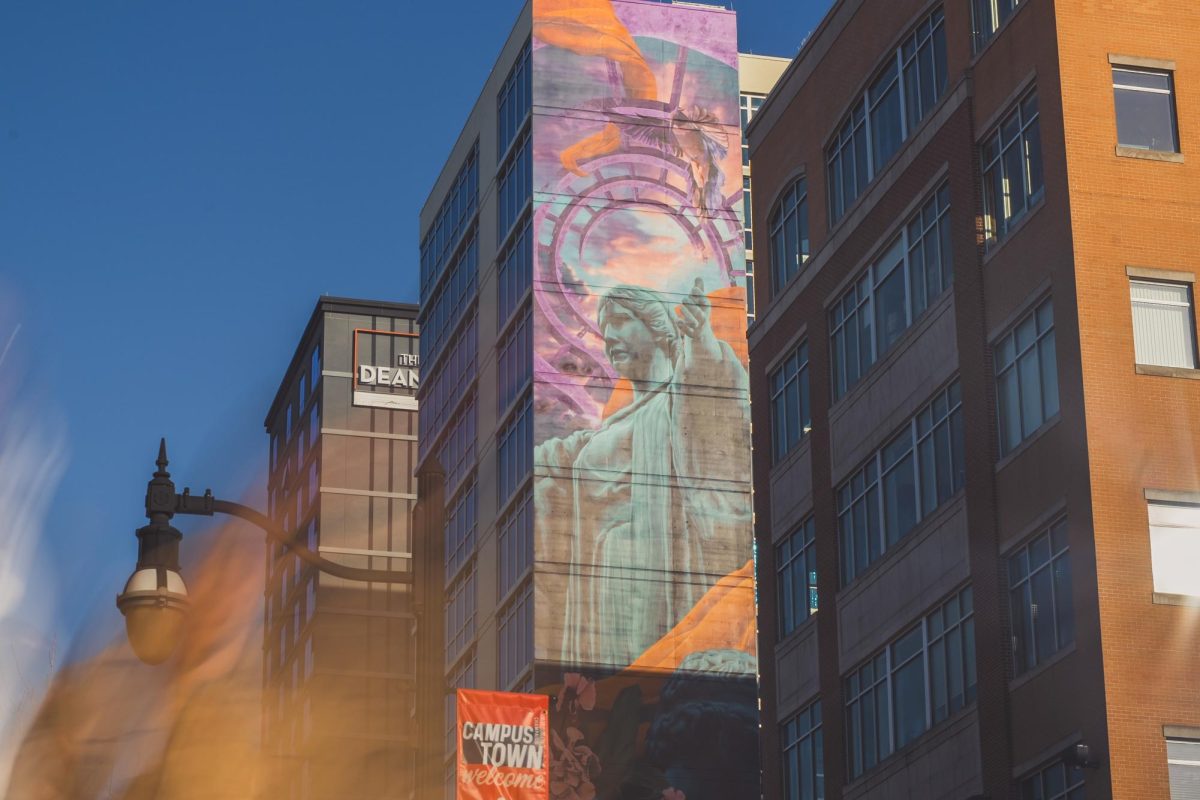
(1132, 667)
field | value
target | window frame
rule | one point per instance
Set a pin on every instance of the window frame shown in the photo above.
(997, 19)
(1027, 115)
(1190, 304)
(858, 119)
(789, 213)
(1192, 738)
(1073, 778)
(1153, 524)
(1027, 655)
(1170, 93)
(860, 296)
(1048, 412)
(797, 549)
(791, 372)
(801, 734)
(877, 674)
(863, 491)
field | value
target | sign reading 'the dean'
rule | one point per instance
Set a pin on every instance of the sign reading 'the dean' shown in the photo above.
(386, 369)
(502, 746)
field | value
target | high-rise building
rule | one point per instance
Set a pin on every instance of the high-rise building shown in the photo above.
(584, 525)
(977, 494)
(338, 655)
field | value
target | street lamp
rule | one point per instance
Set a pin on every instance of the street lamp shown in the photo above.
(154, 601)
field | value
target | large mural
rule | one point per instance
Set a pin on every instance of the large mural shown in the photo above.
(641, 402)
(644, 584)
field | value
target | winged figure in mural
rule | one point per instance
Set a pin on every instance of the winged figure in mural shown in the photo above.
(692, 134)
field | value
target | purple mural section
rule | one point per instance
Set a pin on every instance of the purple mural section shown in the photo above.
(642, 452)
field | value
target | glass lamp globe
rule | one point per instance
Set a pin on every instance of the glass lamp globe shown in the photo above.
(154, 604)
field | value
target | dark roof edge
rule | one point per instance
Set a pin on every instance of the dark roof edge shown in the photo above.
(327, 304)
(815, 46)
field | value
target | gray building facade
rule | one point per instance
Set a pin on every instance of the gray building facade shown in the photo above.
(338, 666)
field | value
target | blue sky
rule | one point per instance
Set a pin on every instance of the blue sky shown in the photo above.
(178, 184)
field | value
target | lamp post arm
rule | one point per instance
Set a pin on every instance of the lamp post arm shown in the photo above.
(163, 502)
(276, 534)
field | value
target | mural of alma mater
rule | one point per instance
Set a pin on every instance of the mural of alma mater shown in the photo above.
(644, 627)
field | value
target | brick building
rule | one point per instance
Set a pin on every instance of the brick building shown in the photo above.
(976, 449)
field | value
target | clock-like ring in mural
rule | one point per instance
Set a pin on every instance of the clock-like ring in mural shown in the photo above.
(635, 176)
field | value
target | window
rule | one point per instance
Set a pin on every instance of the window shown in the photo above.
(444, 233)
(515, 265)
(440, 316)
(1026, 377)
(921, 468)
(892, 293)
(750, 103)
(516, 636)
(1183, 768)
(1175, 547)
(1163, 323)
(1055, 782)
(316, 367)
(804, 756)
(513, 100)
(796, 565)
(988, 16)
(906, 88)
(749, 290)
(460, 613)
(791, 414)
(515, 187)
(515, 363)
(459, 531)
(457, 453)
(516, 542)
(747, 215)
(1040, 602)
(1145, 105)
(920, 679)
(788, 229)
(448, 385)
(515, 450)
(1012, 169)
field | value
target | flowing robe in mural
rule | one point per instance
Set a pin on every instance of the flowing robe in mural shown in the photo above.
(649, 505)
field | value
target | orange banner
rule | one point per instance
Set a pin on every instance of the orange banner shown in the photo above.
(502, 751)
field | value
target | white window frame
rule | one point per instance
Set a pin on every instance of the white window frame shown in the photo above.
(1162, 523)
(1189, 304)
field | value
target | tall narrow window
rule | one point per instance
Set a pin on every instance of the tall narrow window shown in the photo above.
(788, 228)
(804, 755)
(791, 419)
(796, 568)
(1026, 376)
(1164, 326)
(1012, 168)
(1145, 105)
(750, 104)
(515, 450)
(1040, 600)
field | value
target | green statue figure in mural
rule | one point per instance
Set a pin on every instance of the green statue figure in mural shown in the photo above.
(652, 504)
